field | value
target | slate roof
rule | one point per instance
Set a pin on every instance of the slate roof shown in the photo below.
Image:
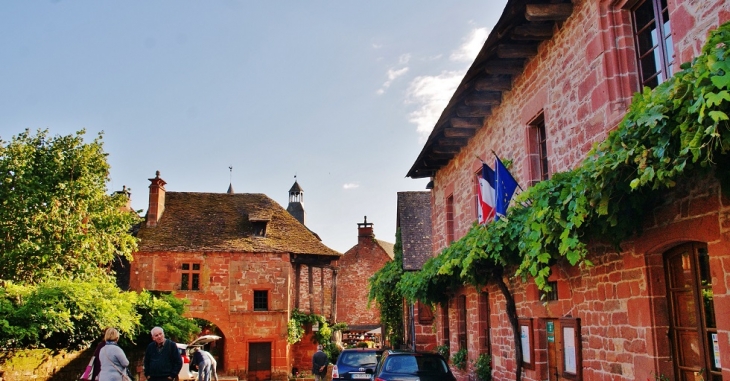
(222, 222)
(414, 220)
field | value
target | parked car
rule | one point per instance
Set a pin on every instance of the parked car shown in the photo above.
(354, 364)
(184, 349)
(412, 366)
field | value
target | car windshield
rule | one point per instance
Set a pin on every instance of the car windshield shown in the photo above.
(357, 359)
(414, 364)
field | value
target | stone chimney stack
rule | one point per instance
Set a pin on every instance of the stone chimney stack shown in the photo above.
(157, 200)
(365, 230)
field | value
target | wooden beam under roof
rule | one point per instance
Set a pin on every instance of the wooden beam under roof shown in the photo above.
(516, 50)
(445, 149)
(504, 66)
(533, 32)
(466, 122)
(459, 132)
(548, 12)
(483, 98)
(500, 82)
(444, 141)
(473, 111)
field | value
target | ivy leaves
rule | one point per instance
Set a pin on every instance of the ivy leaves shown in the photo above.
(680, 126)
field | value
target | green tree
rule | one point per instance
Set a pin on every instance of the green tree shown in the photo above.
(59, 231)
(57, 219)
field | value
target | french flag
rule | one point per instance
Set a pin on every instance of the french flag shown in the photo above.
(485, 195)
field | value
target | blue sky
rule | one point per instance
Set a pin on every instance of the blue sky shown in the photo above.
(341, 94)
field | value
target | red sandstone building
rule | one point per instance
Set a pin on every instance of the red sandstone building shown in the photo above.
(552, 79)
(244, 263)
(356, 266)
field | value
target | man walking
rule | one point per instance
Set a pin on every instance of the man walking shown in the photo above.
(319, 364)
(162, 361)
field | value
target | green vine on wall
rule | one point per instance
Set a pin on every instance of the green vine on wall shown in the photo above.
(678, 128)
(387, 298)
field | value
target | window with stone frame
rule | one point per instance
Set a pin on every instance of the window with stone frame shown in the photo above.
(653, 41)
(450, 219)
(260, 300)
(537, 145)
(190, 276)
(461, 308)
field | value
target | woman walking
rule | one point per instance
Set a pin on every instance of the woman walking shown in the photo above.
(113, 361)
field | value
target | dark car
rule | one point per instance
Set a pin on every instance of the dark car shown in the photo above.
(356, 364)
(412, 366)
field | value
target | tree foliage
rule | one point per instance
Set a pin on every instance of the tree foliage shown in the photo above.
(389, 301)
(57, 219)
(59, 232)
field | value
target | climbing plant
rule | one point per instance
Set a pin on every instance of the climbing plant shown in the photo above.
(387, 298)
(678, 128)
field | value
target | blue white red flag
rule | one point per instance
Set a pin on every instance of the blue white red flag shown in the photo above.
(504, 189)
(485, 195)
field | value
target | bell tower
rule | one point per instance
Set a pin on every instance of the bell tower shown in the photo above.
(296, 202)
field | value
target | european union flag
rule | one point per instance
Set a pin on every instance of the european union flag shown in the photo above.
(505, 188)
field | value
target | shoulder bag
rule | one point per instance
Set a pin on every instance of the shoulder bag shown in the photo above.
(125, 376)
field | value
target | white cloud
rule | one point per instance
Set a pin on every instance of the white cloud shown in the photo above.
(431, 93)
(403, 59)
(350, 186)
(471, 46)
(393, 74)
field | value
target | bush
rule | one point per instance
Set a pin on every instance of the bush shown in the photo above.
(459, 359)
(484, 367)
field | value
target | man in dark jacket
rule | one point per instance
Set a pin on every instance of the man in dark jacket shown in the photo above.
(319, 364)
(162, 361)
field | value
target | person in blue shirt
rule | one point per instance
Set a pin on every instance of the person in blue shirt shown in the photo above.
(203, 363)
(113, 361)
(162, 361)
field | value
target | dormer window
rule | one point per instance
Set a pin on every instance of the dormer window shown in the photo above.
(259, 228)
(259, 220)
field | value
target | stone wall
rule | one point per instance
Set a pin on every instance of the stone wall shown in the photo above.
(582, 81)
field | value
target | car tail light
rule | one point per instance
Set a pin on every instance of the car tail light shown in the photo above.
(378, 379)
(335, 372)
(185, 358)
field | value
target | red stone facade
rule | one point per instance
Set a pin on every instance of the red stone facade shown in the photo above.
(244, 263)
(581, 82)
(355, 268)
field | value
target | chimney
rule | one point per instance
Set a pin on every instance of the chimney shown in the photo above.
(157, 200)
(365, 230)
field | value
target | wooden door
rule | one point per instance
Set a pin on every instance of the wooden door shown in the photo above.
(259, 361)
(693, 329)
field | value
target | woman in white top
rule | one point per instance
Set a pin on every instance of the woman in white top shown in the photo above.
(112, 358)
